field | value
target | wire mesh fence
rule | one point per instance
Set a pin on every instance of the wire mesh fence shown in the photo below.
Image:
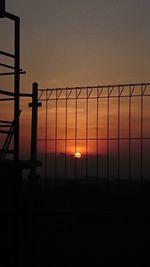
(95, 132)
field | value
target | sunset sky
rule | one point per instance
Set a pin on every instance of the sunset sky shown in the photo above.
(79, 42)
(82, 42)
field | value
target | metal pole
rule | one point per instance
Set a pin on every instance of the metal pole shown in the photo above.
(108, 132)
(142, 125)
(130, 115)
(118, 174)
(2, 8)
(46, 124)
(34, 106)
(66, 132)
(56, 134)
(76, 125)
(87, 126)
(97, 135)
(17, 89)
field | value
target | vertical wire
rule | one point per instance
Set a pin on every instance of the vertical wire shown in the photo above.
(119, 132)
(97, 133)
(108, 109)
(75, 159)
(86, 159)
(66, 128)
(141, 133)
(130, 132)
(56, 121)
(46, 129)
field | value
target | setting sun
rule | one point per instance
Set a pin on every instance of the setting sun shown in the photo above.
(77, 155)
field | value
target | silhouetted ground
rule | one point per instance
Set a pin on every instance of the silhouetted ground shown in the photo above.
(80, 224)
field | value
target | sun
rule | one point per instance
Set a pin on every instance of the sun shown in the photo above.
(77, 155)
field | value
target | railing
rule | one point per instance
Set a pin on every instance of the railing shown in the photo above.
(95, 132)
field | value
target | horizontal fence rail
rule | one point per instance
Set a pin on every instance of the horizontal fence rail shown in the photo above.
(95, 132)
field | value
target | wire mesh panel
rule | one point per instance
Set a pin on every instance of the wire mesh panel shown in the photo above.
(99, 132)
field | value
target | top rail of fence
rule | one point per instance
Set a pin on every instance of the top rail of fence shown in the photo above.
(100, 91)
(95, 86)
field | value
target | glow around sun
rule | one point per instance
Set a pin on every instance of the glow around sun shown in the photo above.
(77, 155)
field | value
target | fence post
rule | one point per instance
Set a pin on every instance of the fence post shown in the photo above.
(34, 122)
(2, 8)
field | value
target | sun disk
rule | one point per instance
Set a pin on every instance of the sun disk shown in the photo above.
(77, 155)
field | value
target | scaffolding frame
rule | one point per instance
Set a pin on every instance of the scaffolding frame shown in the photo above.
(13, 127)
(15, 95)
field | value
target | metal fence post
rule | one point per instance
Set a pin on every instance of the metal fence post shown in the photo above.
(34, 106)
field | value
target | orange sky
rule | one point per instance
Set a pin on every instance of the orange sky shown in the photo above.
(74, 43)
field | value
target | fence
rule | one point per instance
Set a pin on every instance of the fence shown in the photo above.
(95, 132)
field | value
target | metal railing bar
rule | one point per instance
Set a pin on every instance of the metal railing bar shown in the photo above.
(69, 93)
(41, 93)
(25, 95)
(6, 99)
(6, 132)
(93, 97)
(2, 121)
(95, 86)
(94, 139)
(5, 126)
(3, 92)
(11, 73)
(8, 66)
(7, 54)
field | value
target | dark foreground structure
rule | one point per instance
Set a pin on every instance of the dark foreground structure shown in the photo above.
(77, 224)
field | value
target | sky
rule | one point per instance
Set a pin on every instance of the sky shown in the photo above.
(77, 43)
(82, 42)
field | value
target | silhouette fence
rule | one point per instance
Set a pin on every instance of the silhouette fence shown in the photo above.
(95, 132)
